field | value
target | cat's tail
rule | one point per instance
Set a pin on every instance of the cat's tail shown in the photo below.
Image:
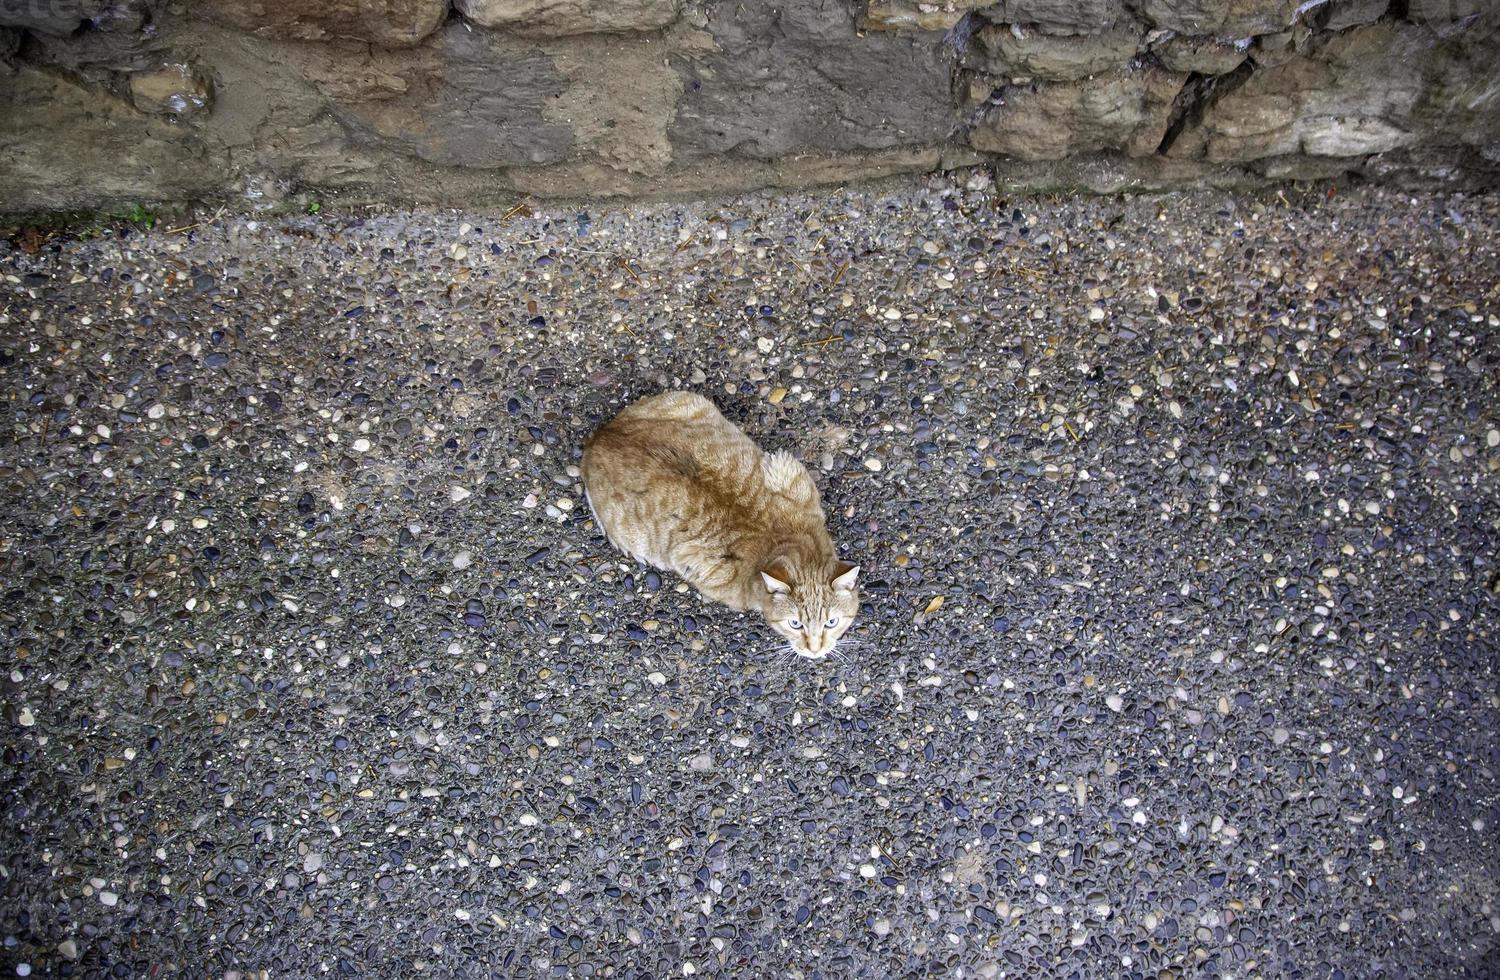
(785, 474)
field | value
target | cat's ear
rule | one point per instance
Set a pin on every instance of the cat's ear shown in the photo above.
(844, 580)
(774, 585)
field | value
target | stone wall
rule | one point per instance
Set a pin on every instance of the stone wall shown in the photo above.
(264, 102)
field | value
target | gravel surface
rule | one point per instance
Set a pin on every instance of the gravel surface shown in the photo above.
(1178, 518)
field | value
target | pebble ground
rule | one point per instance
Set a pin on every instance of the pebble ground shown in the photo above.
(1178, 659)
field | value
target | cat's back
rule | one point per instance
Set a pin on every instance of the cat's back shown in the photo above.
(674, 435)
(673, 482)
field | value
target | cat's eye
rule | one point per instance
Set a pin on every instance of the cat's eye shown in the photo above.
(832, 622)
(794, 623)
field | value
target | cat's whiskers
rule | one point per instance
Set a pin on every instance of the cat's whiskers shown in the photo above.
(781, 653)
(854, 646)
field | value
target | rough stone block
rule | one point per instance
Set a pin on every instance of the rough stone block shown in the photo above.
(1353, 96)
(1341, 15)
(919, 15)
(394, 23)
(1425, 11)
(1127, 111)
(1302, 167)
(555, 18)
(783, 79)
(59, 17)
(1369, 90)
(70, 146)
(1060, 16)
(619, 99)
(464, 99)
(1204, 55)
(1232, 19)
(1017, 53)
(1271, 50)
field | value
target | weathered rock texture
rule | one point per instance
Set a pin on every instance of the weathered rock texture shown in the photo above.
(385, 22)
(261, 104)
(561, 17)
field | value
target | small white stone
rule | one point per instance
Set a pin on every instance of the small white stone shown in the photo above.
(1492, 438)
(657, 677)
(764, 344)
(26, 718)
(459, 493)
(109, 898)
(463, 559)
(874, 465)
(156, 411)
(361, 445)
(891, 313)
(1115, 702)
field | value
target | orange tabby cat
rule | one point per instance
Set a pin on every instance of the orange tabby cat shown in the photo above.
(675, 484)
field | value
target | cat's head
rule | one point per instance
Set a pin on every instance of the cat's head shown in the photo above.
(811, 609)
